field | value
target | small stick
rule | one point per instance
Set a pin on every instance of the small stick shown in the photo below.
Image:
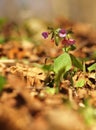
(7, 61)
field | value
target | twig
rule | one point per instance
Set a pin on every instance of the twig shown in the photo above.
(7, 61)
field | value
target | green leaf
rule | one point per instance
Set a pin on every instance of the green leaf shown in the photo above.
(63, 62)
(52, 35)
(70, 31)
(89, 114)
(56, 40)
(92, 67)
(70, 48)
(2, 39)
(47, 67)
(80, 83)
(2, 82)
(76, 62)
(73, 47)
(50, 90)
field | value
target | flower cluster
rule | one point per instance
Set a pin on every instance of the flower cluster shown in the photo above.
(60, 35)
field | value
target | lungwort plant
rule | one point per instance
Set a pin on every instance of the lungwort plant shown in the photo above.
(64, 62)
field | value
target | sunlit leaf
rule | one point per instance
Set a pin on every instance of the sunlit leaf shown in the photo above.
(50, 90)
(63, 62)
(80, 83)
(92, 67)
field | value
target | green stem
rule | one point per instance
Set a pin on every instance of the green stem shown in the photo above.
(65, 49)
(57, 81)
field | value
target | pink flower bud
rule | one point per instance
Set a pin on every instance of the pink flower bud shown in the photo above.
(62, 33)
(71, 41)
(45, 34)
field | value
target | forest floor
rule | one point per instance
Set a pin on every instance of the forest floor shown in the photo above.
(25, 102)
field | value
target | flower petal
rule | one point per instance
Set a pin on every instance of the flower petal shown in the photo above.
(62, 33)
(45, 34)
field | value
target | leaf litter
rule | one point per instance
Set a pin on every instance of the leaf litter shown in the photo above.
(27, 101)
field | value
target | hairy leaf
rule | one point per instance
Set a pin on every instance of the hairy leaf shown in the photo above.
(63, 62)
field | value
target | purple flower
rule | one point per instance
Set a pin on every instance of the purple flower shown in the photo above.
(71, 41)
(45, 34)
(68, 42)
(64, 41)
(62, 33)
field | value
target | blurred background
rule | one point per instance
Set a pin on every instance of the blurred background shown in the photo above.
(76, 10)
